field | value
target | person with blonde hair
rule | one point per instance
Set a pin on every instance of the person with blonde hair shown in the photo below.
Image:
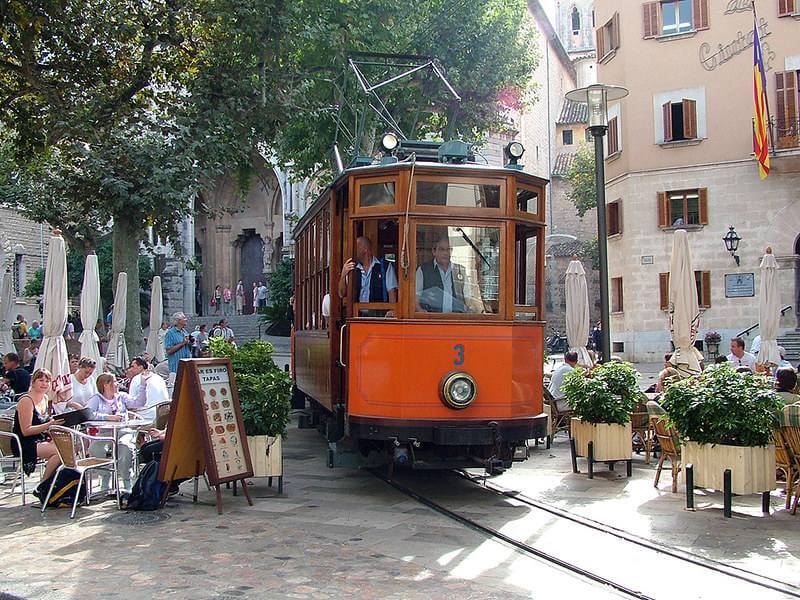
(666, 377)
(83, 385)
(32, 420)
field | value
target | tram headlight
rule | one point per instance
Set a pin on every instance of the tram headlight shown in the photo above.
(458, 390)
(389, 142)
(513, 152)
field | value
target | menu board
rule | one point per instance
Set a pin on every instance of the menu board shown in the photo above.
(205, 431)
(227, 441)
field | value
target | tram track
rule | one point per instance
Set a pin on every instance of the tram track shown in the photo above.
(714, 567)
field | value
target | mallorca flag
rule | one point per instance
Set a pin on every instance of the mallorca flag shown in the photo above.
(760, 140)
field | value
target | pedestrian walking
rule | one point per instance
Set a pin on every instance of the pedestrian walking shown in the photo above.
(227, 297)
(255, 298)
(216, 300)
(262, 296)
(239, 298)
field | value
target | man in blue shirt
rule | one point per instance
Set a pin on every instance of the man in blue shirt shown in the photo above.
(177, 341)
(375, 281)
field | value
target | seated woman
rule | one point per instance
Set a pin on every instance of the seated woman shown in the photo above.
(785, 383)
(110, 404)
(83, 385)
(31, 423)
(666, 377)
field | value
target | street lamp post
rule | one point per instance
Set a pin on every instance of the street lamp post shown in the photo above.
(597, 97)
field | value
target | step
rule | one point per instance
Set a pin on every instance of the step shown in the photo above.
(791, 343)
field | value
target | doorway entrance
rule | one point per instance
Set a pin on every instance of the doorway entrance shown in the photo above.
(251, 265)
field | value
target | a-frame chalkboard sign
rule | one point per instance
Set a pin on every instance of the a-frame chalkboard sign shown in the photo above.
(205, 431)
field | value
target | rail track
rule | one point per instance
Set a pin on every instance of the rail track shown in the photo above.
(706, 568)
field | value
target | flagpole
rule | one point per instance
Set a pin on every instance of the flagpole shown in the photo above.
(766, 91)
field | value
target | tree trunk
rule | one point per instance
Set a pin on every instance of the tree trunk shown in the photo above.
(126, 238)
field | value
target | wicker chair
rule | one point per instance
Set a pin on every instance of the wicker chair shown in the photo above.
(670, 448)
(559, 418)
(791, 439)
(162, 414)
(8, 441)
(70, 444)
(784, 462)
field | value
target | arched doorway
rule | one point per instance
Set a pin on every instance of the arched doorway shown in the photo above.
(251, 265)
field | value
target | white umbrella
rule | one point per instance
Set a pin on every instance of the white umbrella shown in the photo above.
(117, 352)
(683, 306)
(6, 315)
(53, 354)
(578, 311)
(90, 309)
(769, 311)
(154, 349)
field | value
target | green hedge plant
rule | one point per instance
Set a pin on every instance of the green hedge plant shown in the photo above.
(722, 406)
(264, 389)
(605, 394)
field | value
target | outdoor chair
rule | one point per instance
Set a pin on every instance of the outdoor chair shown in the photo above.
(559, 418)
(8, 441)
(69, 444)
(670, 448)
(162, 414)
(641, 427)
(784, 462)
(791, 437)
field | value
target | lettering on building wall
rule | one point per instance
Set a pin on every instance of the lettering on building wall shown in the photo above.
(713, 57)
(737, 6)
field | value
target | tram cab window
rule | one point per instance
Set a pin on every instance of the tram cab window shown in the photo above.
(528, 200)
(369, 276)
(526, 260)
(458, 269)
(376, 194)
(456, 193)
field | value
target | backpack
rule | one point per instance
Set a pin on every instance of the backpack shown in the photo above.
(147, 490)
(64, 491)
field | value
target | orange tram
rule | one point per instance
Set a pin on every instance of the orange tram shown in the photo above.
(418, 328)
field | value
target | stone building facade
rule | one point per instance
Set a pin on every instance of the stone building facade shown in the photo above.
(23, 245)
(681, 157)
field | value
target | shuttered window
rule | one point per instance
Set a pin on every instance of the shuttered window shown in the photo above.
(670, 17)
(614, 217)
(681, 208)
(787, 128)
(613, 136)
(651, 20)
(680, 120)
(702, 281)
(607, 37)
(700, 14)
(787, 8)
(617, 300)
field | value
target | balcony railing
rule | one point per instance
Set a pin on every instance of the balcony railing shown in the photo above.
(785, 133)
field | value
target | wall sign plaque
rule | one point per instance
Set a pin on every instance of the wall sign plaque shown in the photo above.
(740, 285)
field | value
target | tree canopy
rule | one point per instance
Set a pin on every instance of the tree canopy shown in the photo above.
(581, 175)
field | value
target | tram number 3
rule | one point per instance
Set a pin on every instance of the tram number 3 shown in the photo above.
(459, 348)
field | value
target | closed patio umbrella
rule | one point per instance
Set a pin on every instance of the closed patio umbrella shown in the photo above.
(769, 311)
(6, 315)
(117, 352)
(154, 349)
(578, 311)
(90, 309)
(684, 309)
(53, 354)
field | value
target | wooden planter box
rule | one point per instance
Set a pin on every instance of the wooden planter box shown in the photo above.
(752, 468)
(266, 453)
(610, 443)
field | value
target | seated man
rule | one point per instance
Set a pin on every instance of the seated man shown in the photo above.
(156, 388)
(785, 382)
(376, 280)
(739, 358)
(440, 283)
(17, 378)
(569, 364)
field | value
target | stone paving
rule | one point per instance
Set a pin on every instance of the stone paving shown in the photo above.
(343, 533)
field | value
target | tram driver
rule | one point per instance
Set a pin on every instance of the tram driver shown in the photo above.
(377, 281)
(440, 283)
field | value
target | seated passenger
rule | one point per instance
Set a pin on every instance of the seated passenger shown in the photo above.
(785, 383)
(440, 283)
(377, 281)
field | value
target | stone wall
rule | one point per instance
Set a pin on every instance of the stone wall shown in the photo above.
(29, 240)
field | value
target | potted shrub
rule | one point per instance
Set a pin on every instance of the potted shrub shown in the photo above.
(603, 399)
(726, 419)
(264, 394)
(712, 340)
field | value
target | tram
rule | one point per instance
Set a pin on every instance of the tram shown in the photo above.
(418, 330)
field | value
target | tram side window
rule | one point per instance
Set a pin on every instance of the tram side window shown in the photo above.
(527, 200)
(525, 292)
(313, 273)
(461, 194)
(458, 269)
(376, 194)
(369, 276)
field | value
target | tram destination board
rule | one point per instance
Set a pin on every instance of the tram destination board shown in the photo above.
(206, 430)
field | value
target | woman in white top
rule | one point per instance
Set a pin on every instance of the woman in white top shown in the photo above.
(83, 384)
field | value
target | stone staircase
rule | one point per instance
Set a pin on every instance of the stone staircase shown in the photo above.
(791, 343)
(245, 327)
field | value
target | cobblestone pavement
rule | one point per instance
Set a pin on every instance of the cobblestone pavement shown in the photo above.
(343, 533)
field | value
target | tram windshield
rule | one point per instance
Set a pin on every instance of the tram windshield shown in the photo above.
(458, 269)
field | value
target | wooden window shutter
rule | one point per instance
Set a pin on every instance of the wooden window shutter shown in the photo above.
(615, 31)
(663, 290)
(705, 289)
(650, 19)
(703, 205)
(601, 52)
(613, 139)
(666, 109)
(663, 210)
(786, 115)
(621, 306)
(612, 218)
(689, 119)
(786, 7)
(700, 14)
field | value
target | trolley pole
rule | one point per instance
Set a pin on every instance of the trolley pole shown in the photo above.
(598, 132)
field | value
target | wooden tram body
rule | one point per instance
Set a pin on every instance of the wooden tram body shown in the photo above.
(374, 372)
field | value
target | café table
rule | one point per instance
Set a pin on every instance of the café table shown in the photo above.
(117, 429)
